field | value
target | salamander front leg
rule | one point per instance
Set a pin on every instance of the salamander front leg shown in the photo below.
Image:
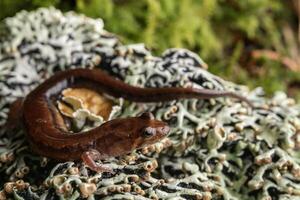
(89, 158)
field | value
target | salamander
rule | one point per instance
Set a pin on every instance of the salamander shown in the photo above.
(48, 136)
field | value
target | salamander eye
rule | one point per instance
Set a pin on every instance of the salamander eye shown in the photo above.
(149, 132)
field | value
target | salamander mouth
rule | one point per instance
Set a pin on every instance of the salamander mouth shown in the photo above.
(162, 129)
(165, 130)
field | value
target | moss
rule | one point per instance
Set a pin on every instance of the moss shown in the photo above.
(215, 29)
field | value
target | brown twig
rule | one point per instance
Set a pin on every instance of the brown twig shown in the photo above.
(272, 55)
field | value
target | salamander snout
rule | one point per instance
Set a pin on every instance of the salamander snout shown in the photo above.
(164, 130)
(154, 132)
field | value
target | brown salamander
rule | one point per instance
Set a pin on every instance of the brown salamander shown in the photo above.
(49, 138)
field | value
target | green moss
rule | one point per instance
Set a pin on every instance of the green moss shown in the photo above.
(220, 31)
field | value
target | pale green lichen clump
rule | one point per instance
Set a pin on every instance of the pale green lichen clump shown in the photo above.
(217, 149)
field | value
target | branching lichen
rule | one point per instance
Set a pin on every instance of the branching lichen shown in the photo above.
(217, 149)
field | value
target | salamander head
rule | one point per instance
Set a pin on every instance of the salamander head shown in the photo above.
(128, 134)
(151, 130)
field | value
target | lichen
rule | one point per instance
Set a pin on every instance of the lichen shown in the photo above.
(81, 105)
(217, 148)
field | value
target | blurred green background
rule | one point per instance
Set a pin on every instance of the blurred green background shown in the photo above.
(252, 42)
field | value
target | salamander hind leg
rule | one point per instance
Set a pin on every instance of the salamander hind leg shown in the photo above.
(89, 157)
